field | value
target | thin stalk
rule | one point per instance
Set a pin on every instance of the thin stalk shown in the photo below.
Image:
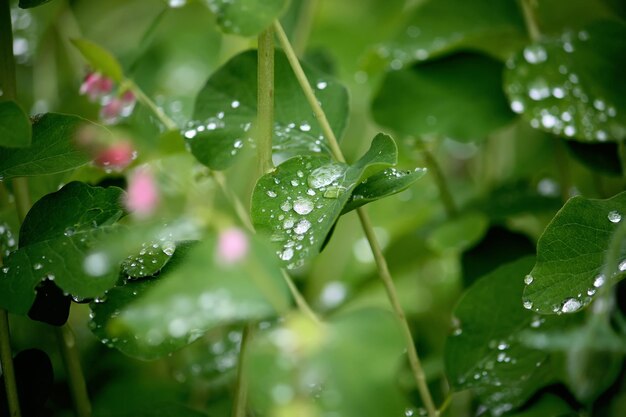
(300, 301)
(530, 18)
(444, 406)
(304, 23)
(71, 359)
(241, 387)
(308, 92)
(6, 359)
(156, 110)
(265, 100)
(442, 183)
(8, 91)
(366, 224)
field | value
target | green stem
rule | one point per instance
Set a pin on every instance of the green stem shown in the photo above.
(241, 387)
(444, 406)
(265, 103)
(442, 183)
(303, 26)
(156, 110)
(530, 18)
(300, 301)
(8, 91)
(6, 359)
(71, 359)
(366, 224)
(308, 92)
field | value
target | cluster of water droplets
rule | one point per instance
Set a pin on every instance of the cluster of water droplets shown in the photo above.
(544, 88)
(298, 206)
(8, 243)
(150, 258)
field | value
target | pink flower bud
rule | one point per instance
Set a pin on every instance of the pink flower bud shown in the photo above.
(96, 86)
(143, 195)
(111, 112)
(117, 156)
(232, 246)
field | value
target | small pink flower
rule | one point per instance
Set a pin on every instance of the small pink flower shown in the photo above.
(232, 246)
(96, 86)
(111, 112)
(143, 194)
(117, 156)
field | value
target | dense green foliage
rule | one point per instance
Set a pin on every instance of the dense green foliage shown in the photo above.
(139, 220)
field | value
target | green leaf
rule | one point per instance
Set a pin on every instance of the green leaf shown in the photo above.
(53, 148)
(486, 353)
(459, 233)
(157, 410)
(298, 203)
(56, 236)
(15, 128)
(425, 99)
(27, 4)
(553, 18)
(317, 363)
(439, 27)
(149, 260)
(194, 292)
(383, 184)
(227, 106)
(571, 255)
(246, 17)
(548, 405)
(573, 85)
(100, 59)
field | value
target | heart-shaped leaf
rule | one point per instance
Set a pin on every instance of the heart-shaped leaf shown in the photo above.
(317, 363)
(198, 289)
(571, 255)
(425, 99)
(298, 203)
(383, 184)
(53, 148)
(246, 17)
(56, 236)
(100, 59)
(487, 353)
(227, 105)
(15, 128)
(437, 27)
(573, 85)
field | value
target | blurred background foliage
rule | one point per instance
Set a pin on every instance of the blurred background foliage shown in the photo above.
(428, 72)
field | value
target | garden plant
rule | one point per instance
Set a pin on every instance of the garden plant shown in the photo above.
(312, 208)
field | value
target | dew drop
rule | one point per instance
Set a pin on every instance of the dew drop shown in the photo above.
(325, 175)
(528, 304)
(622, 266)
(614, 216)
(535, 54)
(599, 281)
(321, 85)
(302, 206)
(271, 193)
(517, 106)
(305, 127)
(302, 227)
(571, 305)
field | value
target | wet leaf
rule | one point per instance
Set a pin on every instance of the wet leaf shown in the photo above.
(149, 260)
(196, 291)
(56, 236)
(53, 148)
(157, 410)
(15, 128)
(246, 17)
(298, 203)
(438, 27)
(100, 59)
(226, 108)
(317, 363)
(459, 233)
(388, 182)
(486, 353)
(572, 85)
(571, 255)
(424, 99)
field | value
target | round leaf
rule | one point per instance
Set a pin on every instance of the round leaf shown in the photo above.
(246, 17)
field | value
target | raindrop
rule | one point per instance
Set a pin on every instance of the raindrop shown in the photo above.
(528, 279)
(622, 266)
(287, 254)
(599, 281)
(302, 227)
(517, 106)
(535, 54)
(571, 305)
(614, 216)
(528, 304)
(235, 104)
(285, 206)
(37, 266)
(305, 127)
(325, 175)
(321, 85)
(271, 193)
(302, 206)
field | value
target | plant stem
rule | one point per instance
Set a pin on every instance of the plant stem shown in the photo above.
(146, 101)
(265, 100)
(303, 26)
(8, 91)
(442, 184)
(530, 18)
(308, 92)
(71, 359)
(366, 224)
(6, 359)
(300, 301)
(241, 387)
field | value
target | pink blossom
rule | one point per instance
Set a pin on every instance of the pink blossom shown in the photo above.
(232, 246)
(111, 112)
(96, 86)
(143, 194)
(117, 156)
